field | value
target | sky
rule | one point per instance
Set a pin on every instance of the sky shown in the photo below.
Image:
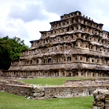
(25, 18)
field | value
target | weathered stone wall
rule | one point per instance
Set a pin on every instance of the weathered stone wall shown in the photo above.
(23, 90)
(88, 81)
(15, 87)
(18, 89)
(14, 82)
(49, 91)
(60, 92)
(101, 99)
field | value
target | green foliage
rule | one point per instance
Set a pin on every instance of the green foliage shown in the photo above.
(52, 80)
(10, 49)
(11, 101)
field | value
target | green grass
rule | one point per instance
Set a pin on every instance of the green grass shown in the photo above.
(11, 101)
(52, 80)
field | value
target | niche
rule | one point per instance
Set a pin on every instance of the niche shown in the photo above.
(81, 58)
(67, 29)
(72, 28)
(30, 61)
(63, 23)
(60, 48)
(75, 58)
(92, 60)
(68, 59)
(37, 61)
(49, 60)
(97, 61)
(87, 59)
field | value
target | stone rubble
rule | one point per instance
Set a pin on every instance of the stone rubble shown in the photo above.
(101, 99)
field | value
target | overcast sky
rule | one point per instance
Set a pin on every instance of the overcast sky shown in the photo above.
(25, 18)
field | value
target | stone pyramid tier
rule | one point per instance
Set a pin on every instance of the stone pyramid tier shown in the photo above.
(74, 46)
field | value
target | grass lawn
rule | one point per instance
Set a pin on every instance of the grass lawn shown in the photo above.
(52, 80)
(11, 101)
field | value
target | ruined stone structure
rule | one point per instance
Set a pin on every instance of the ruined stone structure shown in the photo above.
(74, 88)
(101, 99)
(74, 46)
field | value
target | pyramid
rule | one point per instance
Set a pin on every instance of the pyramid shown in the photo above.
(74, 46)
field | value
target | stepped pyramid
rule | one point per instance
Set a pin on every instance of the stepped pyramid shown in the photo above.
(74, 46)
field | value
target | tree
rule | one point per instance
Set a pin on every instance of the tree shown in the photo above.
(10, 49)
